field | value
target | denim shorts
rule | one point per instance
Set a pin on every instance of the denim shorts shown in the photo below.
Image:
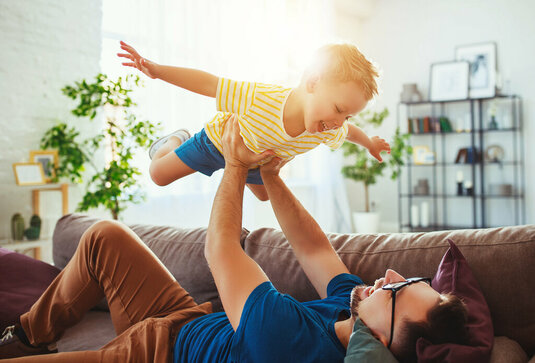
(200, 154)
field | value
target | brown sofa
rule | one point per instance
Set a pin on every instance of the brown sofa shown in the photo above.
(502, 259)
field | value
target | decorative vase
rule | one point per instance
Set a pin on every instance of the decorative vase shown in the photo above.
(424, 214)
(366, 222)
(35, 221)
(422, 188)
(34, 231)
(410, 93)
(493, 125)
(17, 227)
(415, 216)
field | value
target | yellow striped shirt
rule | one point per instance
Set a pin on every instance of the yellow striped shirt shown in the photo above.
(260, 107)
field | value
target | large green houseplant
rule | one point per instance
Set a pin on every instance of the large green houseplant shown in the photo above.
(364, 167)
(116, 183)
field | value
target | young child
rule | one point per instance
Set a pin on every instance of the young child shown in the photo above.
(288, 121)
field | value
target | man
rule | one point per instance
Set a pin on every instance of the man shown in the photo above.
(156, 320)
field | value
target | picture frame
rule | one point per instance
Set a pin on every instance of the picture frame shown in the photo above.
(482, 59)
(449, 81)
(47, 158)
(29, 173)
(422, 155)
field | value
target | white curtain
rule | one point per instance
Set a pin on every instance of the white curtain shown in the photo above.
(266, 41)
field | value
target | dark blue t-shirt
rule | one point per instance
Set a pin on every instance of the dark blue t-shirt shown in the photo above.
(274, 327)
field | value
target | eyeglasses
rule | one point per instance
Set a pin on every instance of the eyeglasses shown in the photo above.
(395, 287)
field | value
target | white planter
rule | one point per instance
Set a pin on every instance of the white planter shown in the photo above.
(366, 222)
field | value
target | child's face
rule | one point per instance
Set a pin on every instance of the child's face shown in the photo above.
(330, 103)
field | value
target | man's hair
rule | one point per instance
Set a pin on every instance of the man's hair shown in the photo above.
(446, 323)
(343, 62)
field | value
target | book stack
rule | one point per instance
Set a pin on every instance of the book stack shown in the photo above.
(424, 125)
(468, 155)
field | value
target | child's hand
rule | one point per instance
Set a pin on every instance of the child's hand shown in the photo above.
(377, 146)
(143, 64)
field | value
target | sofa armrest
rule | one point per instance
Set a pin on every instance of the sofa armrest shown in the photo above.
(22, 281)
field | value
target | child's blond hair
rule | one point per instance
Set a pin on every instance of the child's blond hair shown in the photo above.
(343, 62)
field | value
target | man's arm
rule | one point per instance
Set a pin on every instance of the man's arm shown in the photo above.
(236, 275)
(190, 79)
(312, 248)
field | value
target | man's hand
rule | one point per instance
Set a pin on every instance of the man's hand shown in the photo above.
(273, 167)
(377, 146)
(137, 61)
(234, 150)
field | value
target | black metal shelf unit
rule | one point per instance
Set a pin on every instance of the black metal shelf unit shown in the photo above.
(480, 208)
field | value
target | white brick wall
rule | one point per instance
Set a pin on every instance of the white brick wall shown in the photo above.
(45, 44)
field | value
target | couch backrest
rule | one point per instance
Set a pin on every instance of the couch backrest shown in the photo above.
(180, 250)
(503, 261)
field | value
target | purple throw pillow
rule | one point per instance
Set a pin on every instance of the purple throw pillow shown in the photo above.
(455, 276)
(22, 281)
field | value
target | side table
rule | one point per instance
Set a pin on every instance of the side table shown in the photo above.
(23, 246)
(63, 188)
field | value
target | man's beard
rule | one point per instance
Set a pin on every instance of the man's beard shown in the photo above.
(356, 299)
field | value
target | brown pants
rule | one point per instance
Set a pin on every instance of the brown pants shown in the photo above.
(147, 304)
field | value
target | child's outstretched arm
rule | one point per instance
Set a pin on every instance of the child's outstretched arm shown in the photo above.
(190, 79)
(374, 145)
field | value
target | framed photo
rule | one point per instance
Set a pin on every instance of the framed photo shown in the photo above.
(47, 158)
(29, 173)
(449, 81)
(422, 155)
(482, 59)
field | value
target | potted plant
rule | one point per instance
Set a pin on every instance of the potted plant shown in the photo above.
(115, 184)
(365, 168)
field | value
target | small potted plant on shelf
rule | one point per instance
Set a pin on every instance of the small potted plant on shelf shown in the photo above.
(365, 168)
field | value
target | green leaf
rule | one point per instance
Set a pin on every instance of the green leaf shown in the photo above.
(365, 168)
(117, 184)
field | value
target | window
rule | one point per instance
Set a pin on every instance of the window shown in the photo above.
(267, 41)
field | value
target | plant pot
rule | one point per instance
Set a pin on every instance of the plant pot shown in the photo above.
(366, 222)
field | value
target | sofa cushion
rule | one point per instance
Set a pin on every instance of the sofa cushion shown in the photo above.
(93, 332)
(506, 350)
(501, 260)
(180, 250)
(455, 276)
(22, 281)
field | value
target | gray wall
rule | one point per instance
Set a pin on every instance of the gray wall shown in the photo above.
(405, 37)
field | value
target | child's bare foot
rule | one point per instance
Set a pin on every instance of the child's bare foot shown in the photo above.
(182, 134)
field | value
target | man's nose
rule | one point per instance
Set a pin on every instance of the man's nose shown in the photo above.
(392, 276)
